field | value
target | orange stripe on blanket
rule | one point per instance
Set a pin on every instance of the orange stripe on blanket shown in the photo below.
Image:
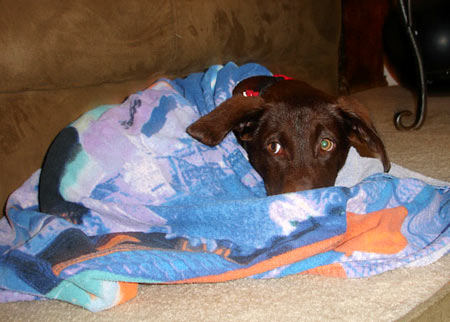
(289, 257)
(332, 270)
(58, 268)
(127, 291)
(376, 232)
(379, 231)
(116, 240)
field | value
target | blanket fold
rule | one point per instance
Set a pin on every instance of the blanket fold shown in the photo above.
(163, 208)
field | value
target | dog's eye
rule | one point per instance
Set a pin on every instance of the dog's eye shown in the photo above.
(274, 148)
(326, 145)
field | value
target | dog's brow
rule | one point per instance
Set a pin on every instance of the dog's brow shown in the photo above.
(321, 131)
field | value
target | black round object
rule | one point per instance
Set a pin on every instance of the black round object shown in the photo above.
(431, 25)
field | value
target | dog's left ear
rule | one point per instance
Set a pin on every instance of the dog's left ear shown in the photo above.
(363, 135)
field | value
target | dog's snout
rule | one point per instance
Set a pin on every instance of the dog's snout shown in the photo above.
(291, 184)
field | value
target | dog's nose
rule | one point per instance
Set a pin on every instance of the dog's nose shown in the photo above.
(290, 185)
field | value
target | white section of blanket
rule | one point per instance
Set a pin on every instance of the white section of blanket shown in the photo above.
(356, 168)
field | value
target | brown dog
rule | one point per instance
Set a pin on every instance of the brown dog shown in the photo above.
(297, 137)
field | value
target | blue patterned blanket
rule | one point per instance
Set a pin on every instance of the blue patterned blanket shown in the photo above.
(163, 208)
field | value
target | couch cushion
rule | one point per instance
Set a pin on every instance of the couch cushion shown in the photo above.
(60, 44)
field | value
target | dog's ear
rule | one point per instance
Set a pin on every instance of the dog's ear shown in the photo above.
(213, 127)
(363, 135)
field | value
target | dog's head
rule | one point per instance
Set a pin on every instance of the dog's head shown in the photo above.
(296, 136)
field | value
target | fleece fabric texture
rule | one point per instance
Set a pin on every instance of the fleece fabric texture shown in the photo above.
(166, 209)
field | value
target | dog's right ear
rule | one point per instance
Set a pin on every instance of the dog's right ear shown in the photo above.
(213, 127)
(363, 136)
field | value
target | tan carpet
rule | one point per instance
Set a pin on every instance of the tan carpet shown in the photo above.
(386, 297)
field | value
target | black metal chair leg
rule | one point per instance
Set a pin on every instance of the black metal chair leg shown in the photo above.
(421, 107)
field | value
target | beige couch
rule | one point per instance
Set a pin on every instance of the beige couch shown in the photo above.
(60, 59)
